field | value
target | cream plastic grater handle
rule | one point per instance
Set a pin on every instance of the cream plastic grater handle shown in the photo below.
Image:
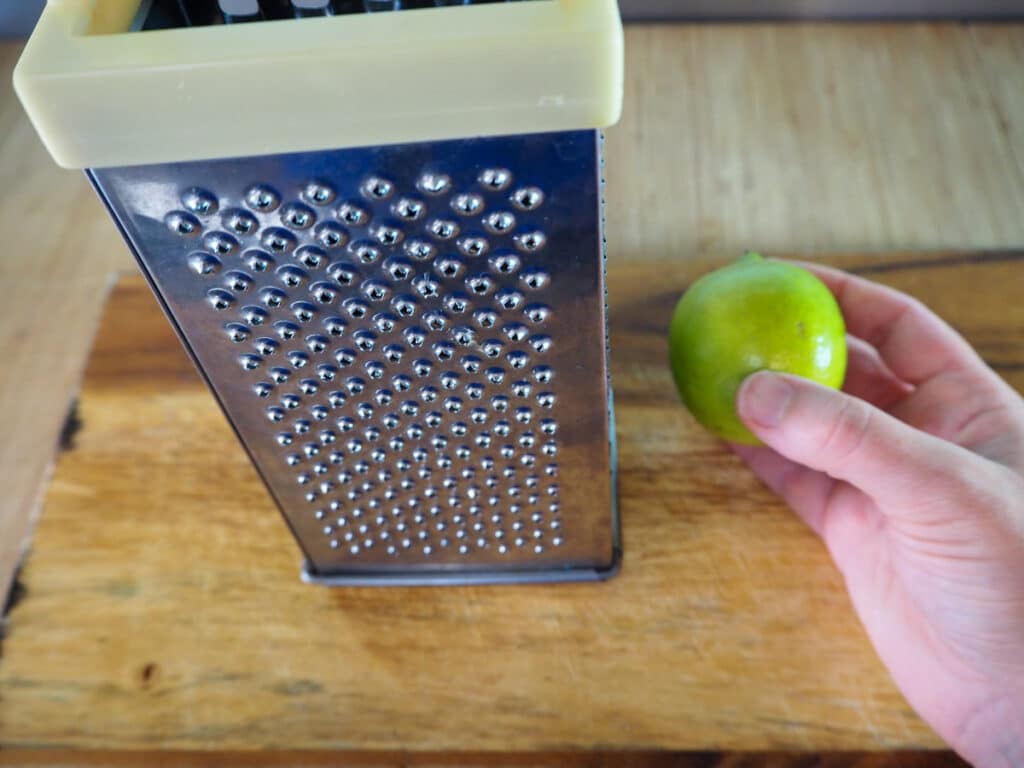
(100, 96)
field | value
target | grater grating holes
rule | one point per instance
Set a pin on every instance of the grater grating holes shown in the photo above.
(183, 224)
(262, 198)
(278, 240)
(330, 234)
(240, 222)
(204, 263)
(220, 243)
(469, 419)
(200, 202)
(318, 193)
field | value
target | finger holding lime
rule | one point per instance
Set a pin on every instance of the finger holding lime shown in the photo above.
(756, 314)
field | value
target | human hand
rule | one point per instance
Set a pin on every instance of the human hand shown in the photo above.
(914, 479)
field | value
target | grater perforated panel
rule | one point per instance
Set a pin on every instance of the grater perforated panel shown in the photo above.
(409, 340)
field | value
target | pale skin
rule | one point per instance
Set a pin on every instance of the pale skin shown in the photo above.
(913, 477)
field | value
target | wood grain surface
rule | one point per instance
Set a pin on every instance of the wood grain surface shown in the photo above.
(56, 266)
(787, 137)
(162, 609)
(124, 759)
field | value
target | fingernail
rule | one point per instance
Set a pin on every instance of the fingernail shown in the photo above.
(764, 398)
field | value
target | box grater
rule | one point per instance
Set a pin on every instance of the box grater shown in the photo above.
(379, 236)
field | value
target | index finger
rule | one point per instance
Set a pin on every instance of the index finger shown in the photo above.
(913, 341)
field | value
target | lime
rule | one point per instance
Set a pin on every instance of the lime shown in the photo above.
(752, 315)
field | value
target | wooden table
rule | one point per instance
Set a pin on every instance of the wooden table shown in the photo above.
(162, 606)
(794, 137)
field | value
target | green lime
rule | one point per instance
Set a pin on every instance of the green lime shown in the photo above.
(752, 315)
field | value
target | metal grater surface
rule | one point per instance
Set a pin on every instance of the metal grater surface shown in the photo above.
(410, 342)
(169, 14)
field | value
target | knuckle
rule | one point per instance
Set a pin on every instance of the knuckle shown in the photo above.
(847, 431)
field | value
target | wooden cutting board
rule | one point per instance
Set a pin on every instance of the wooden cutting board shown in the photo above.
(161, 608)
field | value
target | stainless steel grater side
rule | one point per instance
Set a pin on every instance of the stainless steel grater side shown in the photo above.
(409, 337)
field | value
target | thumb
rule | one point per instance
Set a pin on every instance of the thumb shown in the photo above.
(849, 439)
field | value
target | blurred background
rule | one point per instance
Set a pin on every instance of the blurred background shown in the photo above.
(18, 16)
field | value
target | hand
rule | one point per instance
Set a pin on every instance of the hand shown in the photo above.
(914, 479)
